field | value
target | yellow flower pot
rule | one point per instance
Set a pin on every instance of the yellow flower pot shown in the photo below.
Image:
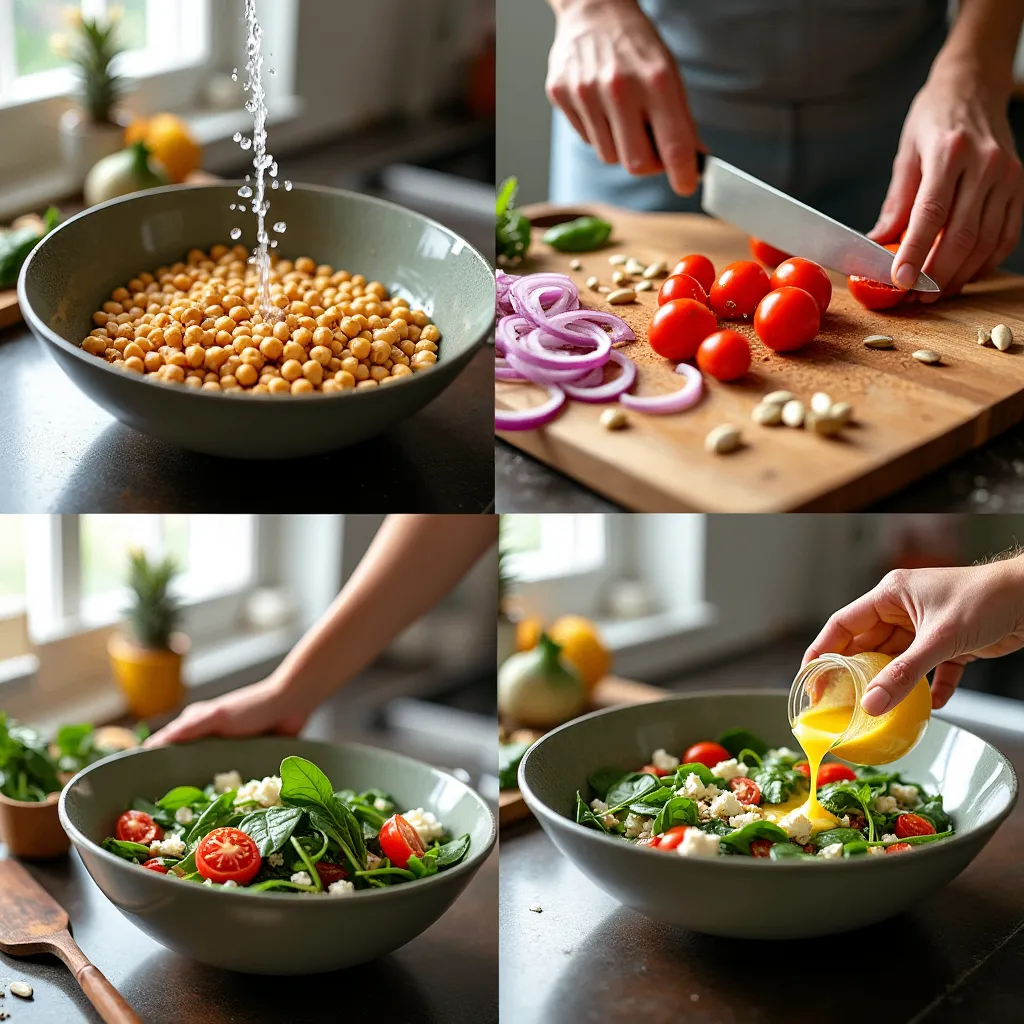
(149, 679)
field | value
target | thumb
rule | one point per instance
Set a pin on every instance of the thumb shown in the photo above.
(901, 675)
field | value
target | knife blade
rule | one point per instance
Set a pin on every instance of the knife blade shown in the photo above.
(765, 212)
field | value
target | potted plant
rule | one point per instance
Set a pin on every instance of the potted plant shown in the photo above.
(93, 129)
(146, 659)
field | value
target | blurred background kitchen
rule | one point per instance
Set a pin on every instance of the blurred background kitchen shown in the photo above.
(248, 586)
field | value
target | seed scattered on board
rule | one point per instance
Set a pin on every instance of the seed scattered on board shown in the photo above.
(643, 286)
(21, 989)
(768, 414)
(619, 277)
(722, 439)
(622, 296)
(927, 356)
(618, 260)
(793, 413)
(593, 283)
(824, 417)
(778, 397)
(575, 265)
(614, 418)
(821, 403)
(1002, 337)
(879, 341)
(536, 910)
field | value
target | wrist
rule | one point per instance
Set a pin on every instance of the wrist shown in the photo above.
(561, 7)
(967, 70)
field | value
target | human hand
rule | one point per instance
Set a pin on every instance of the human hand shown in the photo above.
(263, 707)
(612, 77)
(929, 619)
(956, 183)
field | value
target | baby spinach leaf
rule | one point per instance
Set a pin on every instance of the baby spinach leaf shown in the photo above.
(680, 810)
(629, 788)
(181, 796)
(129, 851)
(737, 740)
(651, 801)
(509, 756)
(831, 836)
(385, 872)
(303, 784)
(932, 810)
(73, 740)
(716, 827)
(271, 827)
(778, 781)
(878, 781)
(421, 868)
(789, 851)
(451, 853)
(739, 841)
(684, 771)
(603, 779)
(585, 816)
(213, 817)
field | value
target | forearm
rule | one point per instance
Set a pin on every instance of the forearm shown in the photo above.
(412, 563)
(567, 6)
(984, 39)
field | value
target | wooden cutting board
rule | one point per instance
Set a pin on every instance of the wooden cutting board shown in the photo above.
(608, 693)
(911, 418)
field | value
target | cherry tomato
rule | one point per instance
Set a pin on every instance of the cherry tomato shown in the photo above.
(679, 327)
(803, 768)
(761, 848)
(228, 855)
(137, 827)
(833, 772)
(706, 753)
(747, 790)
(700, 268)
(806, 274)
(672, 838)
(873, 294)
(738, 290)
(649, 841)
(913, 825)
(650, 769)
(154, 865)
(898, 848)
(766, 254)
(399, 841)
(329, 872)
(682, 286)
(787, 319)
(724, 355)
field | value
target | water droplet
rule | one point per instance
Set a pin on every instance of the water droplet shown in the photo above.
(241, 207)
(271, 71)
(234, 74)
(232, 207)
(237, 137)
(248, 177)
(245, 192)
(236, 233)
(287, 186)
(273, 169)
(275, 184)
(280, 227)
(273, 244)
(246, 143)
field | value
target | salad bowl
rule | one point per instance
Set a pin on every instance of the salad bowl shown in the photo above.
(271, 932)
(746, 897)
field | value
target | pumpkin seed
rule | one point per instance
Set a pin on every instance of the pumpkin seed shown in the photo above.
(879, 341)
(768, 414)
(659, 269)
(842, 411)
(622, 296)
(821, 403)
(634, 267)
(984, 336)
(826, 426)
(723, 439)
(20, 989)
(779, 397)
(617, 260)
(593, 282)
(613, 418)
(1002, 337)
(643, 286)
(793, 413)
(604, 289)
(575, 265)
(926, 355)
(619, 277)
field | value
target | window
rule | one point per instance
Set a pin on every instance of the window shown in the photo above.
(548, 546)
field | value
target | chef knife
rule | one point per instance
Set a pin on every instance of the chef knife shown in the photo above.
(766, 213)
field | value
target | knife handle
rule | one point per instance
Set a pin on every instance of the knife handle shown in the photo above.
(109, 1003)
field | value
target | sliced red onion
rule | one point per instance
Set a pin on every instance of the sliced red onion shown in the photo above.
(531, 350)
(502, 371)
(570, 325)
(676, 401)
(502, 286)
(539, 375)
(584, 392)
(508, 329)
(538, 297)
(531, 419)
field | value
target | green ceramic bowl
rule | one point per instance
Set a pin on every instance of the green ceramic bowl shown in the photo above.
(743, 897)
(268, 932)
(72, 271)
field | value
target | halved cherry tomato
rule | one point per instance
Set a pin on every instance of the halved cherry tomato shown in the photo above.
(724, 355)
(154, 865)
(682, 286)
(329, 872)
(650, 769)
(399, 841)
(806, 274)
(679, 327)
(913, 825)
(649, 841)
(228, 855)
(672, 838)
(137, 827)
(873, 294)
(706, 753)
(747, 790)
(700, 268)
(787, 319)
(803, 768)
(899, 848)
(738, 290)
(761, 848)
(766, 254)
(833, 772)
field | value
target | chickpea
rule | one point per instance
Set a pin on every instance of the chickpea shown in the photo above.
(362, 372)
(344, 379)
(125, 331)
(407, 348)
(228, 380)
(238, 312)
(303, 336)
(210, 385)
(175, 357)
(194, 382)
(291, 370)
(279, 386)
(246, 375)
(379, 373)
(320, 354)
(231, 364)
(214, 358)
(360, 348)
(330, 386)
(282, 331)
(100, 319)
(152, 361)
(366, 384)
(173, 336)
(400, 370)
(425, 346)
(322, 337)
(302, 387)
(349, 364)
(350, 327)
(94, 346)
(414, 333)
(271, 348)
(333, 365)
(430, 333)
(387, 334)
(380, 352)
(305, 265)
(173, 374)
(196, 355)
(132, 351)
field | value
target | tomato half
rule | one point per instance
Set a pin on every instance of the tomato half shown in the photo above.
(137, 827)
(873, 294)
(154, 865)
(761, 848)
(803, 768)
(913, 825)
(700, 268)
(766, 254)
(725, 355)
(329, 872)
(399, 841)
(833, 772)
(228, 855)
(899, 848)
(706, 753)
(787, 319)
(672, 838)
(679, 327)
(747, 790)
(806, 274)
(738, 290)
(650, 769)
(682, 286)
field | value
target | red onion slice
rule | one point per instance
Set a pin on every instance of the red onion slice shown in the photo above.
(538, 297)
(605, 392)
(538, 375)
(508, 330)
(531, 419)
(531, 350)
(502, 285)
(676, 401)
(584, 321)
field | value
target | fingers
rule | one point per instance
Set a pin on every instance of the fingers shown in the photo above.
(990, 230)
(197, 720)
(836, 636)
(558, 93)
(901, 675)
(1010, 235)
(675, 134)
(903, 186)
(590, 109)
(945, 680)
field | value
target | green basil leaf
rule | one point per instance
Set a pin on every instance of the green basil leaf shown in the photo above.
(129, 851)
(740, 839)
(181, 796)
(303, 784)
(451, 853)
(271, 827)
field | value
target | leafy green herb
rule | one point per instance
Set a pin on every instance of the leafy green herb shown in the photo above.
(738, 740)
(584, 234)
(512, 229)
(509, 756)
(777, 780)
(629, 788)
(931, 809)
(603, 779)
(15, 247)
(271, 827)
(585, 816)
(181, 796)
(215, 816)
(789, 851)
(26, 769)
(739, 841)
(679, 810)
(684, 771)
(831, 836)
(129, 851)
(451, 853)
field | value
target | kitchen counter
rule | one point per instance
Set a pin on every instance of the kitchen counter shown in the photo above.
(584, 957)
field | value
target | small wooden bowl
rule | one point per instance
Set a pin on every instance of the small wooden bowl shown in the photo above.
(32, 830)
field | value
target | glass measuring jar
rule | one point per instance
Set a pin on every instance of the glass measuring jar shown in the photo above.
(826, 716)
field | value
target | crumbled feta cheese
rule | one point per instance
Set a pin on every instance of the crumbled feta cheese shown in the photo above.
(275, 860)
(427, 826)
(711, 791)
(726, 805)
(380, 803)
(635, 824)
(876, 849)
(703, 810)
(229, 884)
(797, 826)
(171, 846)
(908, 796)
(265, 792)
(782, 752)
(845, 821)
(184, 815)
(372, 861)
(208, 881)
(698, 844)
(223, 781)
(646, 834)
(664, 760)
(885, 804)
(598, 806)
(835, 850)
(301, 878)
(739, 820)
(729, 769)
(692, 787)
(890, 838)
(342, 887)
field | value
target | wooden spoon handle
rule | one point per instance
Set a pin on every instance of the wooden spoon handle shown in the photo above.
(108, 1001)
